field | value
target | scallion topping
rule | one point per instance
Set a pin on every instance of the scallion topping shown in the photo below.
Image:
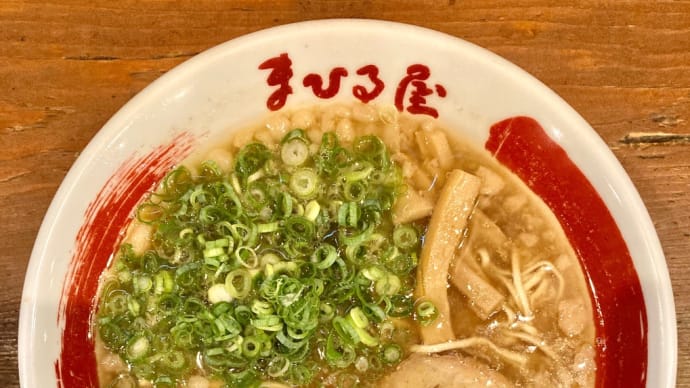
(304, 183)
(288, 261)
(426, 312)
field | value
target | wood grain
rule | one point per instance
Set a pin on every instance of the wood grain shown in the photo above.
(66, 67)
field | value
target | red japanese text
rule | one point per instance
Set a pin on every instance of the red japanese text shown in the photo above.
(316, 83)
(360, 92)
(281, 73)
(411, 93)
(417, 74)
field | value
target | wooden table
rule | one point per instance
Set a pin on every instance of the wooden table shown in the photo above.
(65, 69)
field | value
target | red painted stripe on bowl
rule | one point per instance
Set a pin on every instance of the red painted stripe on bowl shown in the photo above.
(522, 145)
(97, 239)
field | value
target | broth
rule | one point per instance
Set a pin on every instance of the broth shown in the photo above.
(519, 307)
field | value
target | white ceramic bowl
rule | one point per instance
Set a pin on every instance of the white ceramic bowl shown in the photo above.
(224, 88)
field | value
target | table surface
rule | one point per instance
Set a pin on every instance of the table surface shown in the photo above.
(65, 69)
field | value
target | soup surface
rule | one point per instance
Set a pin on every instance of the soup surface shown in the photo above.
(344, 245)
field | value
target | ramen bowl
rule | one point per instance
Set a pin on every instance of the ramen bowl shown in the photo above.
(492, 103)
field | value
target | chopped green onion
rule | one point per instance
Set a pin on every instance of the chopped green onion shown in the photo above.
(235, 182)
(299, 228)
(358, 171)
(210, 170)
(324, 256)
(268, 323)
(375, 312)
(288, 342)
(355, 190)
(295, 134)
(138, 347)
(373, 273)
(124, 380)
(238, 283)
(388, 285)
(326, 312)
(175, 184)
(251, 347)
(116, 303)
(294, 152)
(246, 257)
(304, 183)
(345, 330)
(250, 159)
(211, 214)
(350, 238)
(244, 233)
(358, 318)
(164, 381)
(372, 149)
(267, 228)
(173, 360)
(218, 293)
(269, 258)
(278, 366)
(391, 353)
(133, 306)
(357, 322)
(285, 202)
(255, 176)
(405, 237)
(261, 308)
(163, 282)
(213, 252)
(149, 212)
(311, 211)
(300, 374)
(426, 312)
(290, 258)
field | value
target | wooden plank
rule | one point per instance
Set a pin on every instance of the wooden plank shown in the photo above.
(66, 67)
